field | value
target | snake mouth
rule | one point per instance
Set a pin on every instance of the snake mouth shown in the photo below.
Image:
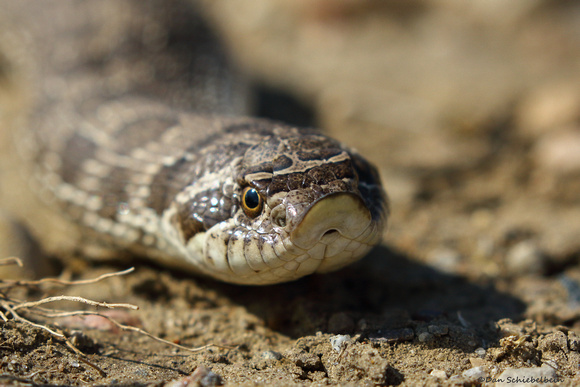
(338, 214)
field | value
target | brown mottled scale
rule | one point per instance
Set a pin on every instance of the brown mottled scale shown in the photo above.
(128, 139)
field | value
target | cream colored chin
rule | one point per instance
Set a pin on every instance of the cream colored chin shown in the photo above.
(336, 216)
(337, 230)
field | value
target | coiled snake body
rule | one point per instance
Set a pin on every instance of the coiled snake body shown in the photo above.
(111, 148)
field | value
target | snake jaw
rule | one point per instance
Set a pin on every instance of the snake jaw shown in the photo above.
(321, 236)
(336, 230)
(342, 213)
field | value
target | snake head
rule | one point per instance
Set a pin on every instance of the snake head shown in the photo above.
(303, 204)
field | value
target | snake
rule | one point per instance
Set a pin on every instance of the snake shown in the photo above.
(130, 140)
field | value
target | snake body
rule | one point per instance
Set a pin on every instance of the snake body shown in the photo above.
(119, 150)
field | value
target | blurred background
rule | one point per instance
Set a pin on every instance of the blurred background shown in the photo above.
(471, 111)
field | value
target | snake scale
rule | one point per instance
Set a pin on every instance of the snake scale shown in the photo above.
(131, 139)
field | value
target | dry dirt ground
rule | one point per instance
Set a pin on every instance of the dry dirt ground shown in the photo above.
(472, 113)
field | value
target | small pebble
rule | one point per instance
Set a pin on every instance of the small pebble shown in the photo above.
(475, 372)
(440, 374)
(524, 258)
(480, 352)
(508, 328)
(209, 378)
(425, 337)
(271, 355)
(201, 376)
(523, 376)
(338, 342)
(438, 330)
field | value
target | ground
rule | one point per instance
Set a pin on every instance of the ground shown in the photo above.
(472, 114)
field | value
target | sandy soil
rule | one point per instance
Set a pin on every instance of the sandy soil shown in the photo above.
(472, 114)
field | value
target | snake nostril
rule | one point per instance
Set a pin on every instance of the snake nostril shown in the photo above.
(330, 236)
(330, 232)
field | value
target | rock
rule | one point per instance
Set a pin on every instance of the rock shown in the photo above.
(202, 376)
(507, 328)
(438, 330)
(271, 355)
(524, 258)
(480, 352)
(439, 374)
(475, 372)
(338, 342)
(526, 376)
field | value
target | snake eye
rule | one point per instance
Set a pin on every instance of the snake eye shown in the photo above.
(251, 202)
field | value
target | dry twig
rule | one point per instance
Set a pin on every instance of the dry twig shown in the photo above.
(11, 261)
(82, 300)
(57, 281)
(11, 306)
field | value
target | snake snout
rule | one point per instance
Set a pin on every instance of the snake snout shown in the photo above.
(333, 216)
